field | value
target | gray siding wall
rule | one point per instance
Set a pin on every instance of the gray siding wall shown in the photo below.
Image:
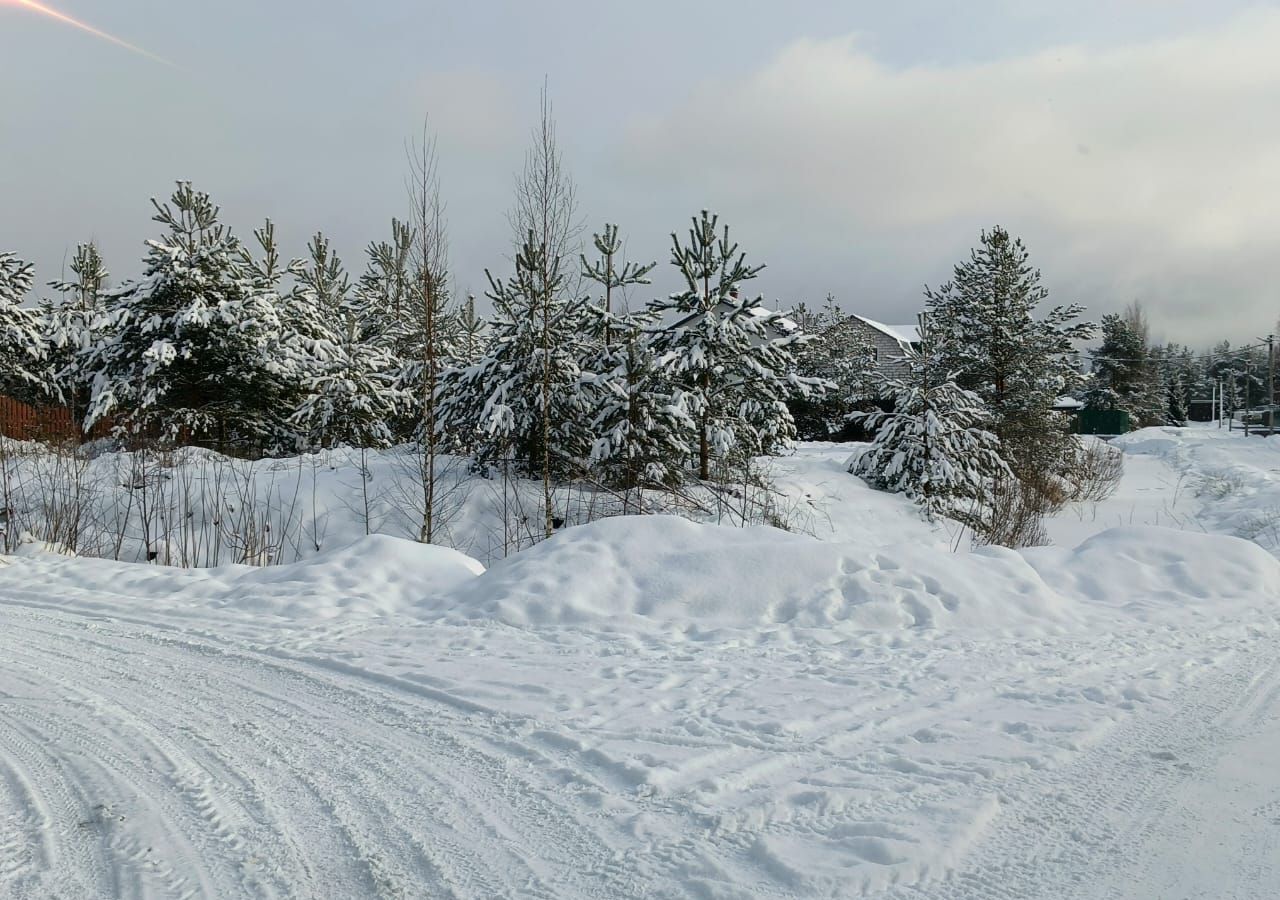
(889, 354)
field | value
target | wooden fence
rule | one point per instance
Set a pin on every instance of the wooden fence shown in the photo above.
(43, 423)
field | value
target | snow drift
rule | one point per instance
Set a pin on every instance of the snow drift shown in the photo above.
(667, 572)
(375, 575)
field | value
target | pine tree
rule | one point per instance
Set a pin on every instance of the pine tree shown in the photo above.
(839, 354)
(544, 220)
(613, 274)
(639, 421)
(1225, 369)
(384, 291)
(524, 400)
(1122, 368)
(194, 347)
(351, 396)
(471, 333)
(22, 352)
(68, 324)
(1241, 371)
(732, 359)
(988, 335)
(1176, 388)
(936, 445)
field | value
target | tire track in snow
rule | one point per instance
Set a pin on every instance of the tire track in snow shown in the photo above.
(238, 748)
(1059, 832)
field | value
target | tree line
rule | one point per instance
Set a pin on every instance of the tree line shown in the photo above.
(222, 342)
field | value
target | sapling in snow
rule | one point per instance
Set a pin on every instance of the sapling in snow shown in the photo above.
(196, 345)
(22, 356)
(732, 359)
(638, 420)
(936, 446)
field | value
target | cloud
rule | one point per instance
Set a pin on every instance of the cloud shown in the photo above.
(1147, 171)
(474, 111)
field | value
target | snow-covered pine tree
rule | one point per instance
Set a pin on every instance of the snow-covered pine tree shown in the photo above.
(1241, 371)
(471, 333)
(840, 354)
(988, 336)
(194, 347)
(1121, 371)
(1224, 370)
(351, 396)
(384, 289)
(733, 360)
(1186, 381)
(68, 324)
(525, 400)
(1176, 387)
(639, 420)
(544, 221)
(613, 274)
(23, 367)
(936, 445)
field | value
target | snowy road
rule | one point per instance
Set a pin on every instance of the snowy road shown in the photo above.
(1182, 806)
(142, 763)
(158, 760)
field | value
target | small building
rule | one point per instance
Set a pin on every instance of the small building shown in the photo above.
(891, 343)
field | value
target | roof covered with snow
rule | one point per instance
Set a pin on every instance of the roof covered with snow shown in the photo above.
(904, 334)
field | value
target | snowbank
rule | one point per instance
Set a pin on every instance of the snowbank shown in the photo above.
(1157, 573)
(666, 574)
(669, 572)
(376, 575)
(675, 574)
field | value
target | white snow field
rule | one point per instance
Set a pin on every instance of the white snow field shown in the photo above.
(647, 707)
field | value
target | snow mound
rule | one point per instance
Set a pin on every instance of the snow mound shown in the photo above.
(393, 573)
(1152, 573)
(376, 575)
(668, 572)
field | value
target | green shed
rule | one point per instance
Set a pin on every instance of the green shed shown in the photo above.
(1102, 421)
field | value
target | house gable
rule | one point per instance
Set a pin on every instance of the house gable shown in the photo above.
(891, 343)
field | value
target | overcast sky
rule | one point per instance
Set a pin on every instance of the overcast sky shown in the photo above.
(856, 148)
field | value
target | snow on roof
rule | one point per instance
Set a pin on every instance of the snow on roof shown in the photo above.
(1068, 403)
(782, 322)
(903, 334)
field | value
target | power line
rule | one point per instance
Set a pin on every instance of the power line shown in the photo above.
(1094, 354)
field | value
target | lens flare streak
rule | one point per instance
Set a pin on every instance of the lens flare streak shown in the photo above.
(83, 26)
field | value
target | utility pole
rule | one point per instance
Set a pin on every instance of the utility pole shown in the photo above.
(1248, 377)
(1271, 385)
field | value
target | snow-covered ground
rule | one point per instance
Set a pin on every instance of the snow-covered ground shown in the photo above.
(647, 707)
